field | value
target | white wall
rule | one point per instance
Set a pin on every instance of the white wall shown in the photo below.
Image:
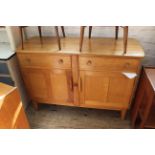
(3, 36)
(10, 35)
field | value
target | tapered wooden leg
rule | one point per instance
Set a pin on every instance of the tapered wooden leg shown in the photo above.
(63, 31)
(147, 111)
(123, 114)
(125, 38)
(81, 37)
(141, 126)
(40, 34)
(21, 35)
(116, 32)
(134, 115)
(35, 105)
(58, 38)
(90, 30)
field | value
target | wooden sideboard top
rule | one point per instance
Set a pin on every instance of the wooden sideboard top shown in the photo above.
(94, 46)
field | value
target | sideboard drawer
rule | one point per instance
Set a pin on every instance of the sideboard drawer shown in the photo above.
(45, 60)
(108, 63)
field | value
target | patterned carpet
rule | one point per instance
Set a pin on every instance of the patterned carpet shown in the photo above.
(63, 117)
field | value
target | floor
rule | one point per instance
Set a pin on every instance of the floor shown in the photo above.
(63, 117)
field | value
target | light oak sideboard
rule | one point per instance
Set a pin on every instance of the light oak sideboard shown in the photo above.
(100, 76)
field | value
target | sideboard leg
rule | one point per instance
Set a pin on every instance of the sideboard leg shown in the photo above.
(123, 114)
(35, 105)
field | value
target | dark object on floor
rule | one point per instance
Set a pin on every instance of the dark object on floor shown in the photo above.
(143, 113)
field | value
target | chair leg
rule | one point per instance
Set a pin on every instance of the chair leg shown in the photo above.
(125, 38)
(21, 35)
(63, 31)
(81, 37)
(40, 34)
(58, 38)
(116, 32)
(90, 30)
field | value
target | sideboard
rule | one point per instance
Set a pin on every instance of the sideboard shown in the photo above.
(100, 76)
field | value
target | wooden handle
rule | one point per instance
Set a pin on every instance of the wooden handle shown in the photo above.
(80, 84)
(60, 61)
(126, 65)
(89, 62)
(71, 83)
(28, 60)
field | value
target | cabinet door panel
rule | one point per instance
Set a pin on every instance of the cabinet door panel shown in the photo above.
(94, 87)
(62, 86)
(105, 89)
(37, 83)
(120, 89)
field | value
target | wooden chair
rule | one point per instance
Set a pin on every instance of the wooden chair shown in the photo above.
(125, 36)
(40, 35)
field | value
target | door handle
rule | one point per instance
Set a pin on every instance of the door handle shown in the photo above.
(81, 84)
(71, 83)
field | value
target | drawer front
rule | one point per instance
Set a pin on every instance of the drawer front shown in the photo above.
(106, 63)
(45, 60)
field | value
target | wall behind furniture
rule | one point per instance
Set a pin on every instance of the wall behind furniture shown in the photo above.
(3, 36)
(10, 35)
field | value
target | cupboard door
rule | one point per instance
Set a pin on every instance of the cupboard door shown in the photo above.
(93, 87)
(99, 89)
(120, 90)
(61, 86)
(37, 83)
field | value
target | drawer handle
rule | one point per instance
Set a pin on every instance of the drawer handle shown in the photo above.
(60, 61)
(81, 84)
(28, 60)
(89, 62)
(127, 65)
